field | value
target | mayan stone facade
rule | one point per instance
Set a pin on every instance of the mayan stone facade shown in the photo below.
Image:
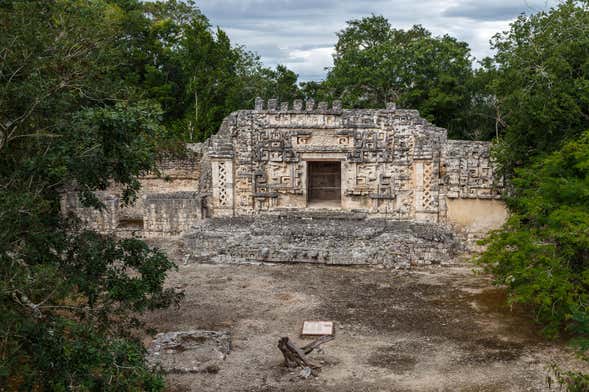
(392, 163)
(353, 187)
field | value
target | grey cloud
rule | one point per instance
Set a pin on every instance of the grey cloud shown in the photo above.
(268, 50)
(314, 46)
(297, 32)
(494, 10)
(296, 60)
(260, 9)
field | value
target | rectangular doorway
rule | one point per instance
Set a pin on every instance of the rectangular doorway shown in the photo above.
(324, 184)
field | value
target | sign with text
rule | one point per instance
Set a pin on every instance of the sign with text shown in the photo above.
(318, 328)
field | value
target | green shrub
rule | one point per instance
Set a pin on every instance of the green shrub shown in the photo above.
(542, 253)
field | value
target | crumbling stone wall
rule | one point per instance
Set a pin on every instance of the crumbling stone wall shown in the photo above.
(471, 189)
(105, 220)
(168, 204)
(321, 238)
(468, 172)
(170, 214)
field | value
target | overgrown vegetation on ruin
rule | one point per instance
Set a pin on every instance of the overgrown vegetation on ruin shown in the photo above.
(91, 91)
(539, 79)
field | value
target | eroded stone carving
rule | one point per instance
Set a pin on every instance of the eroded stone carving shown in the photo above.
(321, 238)
(468, 171)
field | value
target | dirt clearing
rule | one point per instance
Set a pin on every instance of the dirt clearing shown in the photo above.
(432, 329)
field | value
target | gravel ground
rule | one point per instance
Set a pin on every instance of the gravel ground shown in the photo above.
(427, 329)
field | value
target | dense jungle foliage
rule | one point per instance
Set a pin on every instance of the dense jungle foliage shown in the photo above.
(92, 91)
(541, 84)
(539, 79)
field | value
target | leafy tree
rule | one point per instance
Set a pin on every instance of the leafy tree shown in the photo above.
(542, 253)
(483, 117)
(69, 298)
(537, 85)
(537, 88)
(283, 84)
(90, 93)
(375, 63)
(541, 81)
(315, 90)
(175, 56)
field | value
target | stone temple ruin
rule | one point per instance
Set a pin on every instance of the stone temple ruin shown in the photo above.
(385, 180)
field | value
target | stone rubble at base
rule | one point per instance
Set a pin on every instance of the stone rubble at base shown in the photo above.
(195, 351)
(321, 239)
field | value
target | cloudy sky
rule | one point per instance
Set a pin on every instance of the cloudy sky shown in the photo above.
(301, 33)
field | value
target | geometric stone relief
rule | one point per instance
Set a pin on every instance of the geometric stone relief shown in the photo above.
(428, 200)
(393, 162)
(222, 179)
(468, 171)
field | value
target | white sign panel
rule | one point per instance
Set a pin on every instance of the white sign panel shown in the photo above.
(317, 328)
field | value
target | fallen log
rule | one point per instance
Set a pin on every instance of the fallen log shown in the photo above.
(295, 356)
(313, 345)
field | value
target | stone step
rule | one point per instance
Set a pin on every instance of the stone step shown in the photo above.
(318, 214)
(317, 238)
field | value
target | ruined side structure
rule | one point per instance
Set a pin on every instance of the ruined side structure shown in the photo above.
(169, 202)
(384, 163)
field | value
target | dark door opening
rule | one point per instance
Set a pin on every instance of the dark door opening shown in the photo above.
(325, 183)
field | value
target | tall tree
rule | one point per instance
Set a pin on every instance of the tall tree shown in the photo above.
(69, 297)
(538, 85)
(375, 63)
(177, 58)
(90, 92)
(541, 81)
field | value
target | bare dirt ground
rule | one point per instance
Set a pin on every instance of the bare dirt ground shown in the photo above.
(429, 329)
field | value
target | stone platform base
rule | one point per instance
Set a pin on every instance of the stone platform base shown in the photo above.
(322, 238)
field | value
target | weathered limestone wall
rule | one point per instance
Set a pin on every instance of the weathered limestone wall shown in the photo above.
(176, 174)
(472, 190)
(104, 221)
(477, 216)
(168, 204)
(170, 214)
(467, 171)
